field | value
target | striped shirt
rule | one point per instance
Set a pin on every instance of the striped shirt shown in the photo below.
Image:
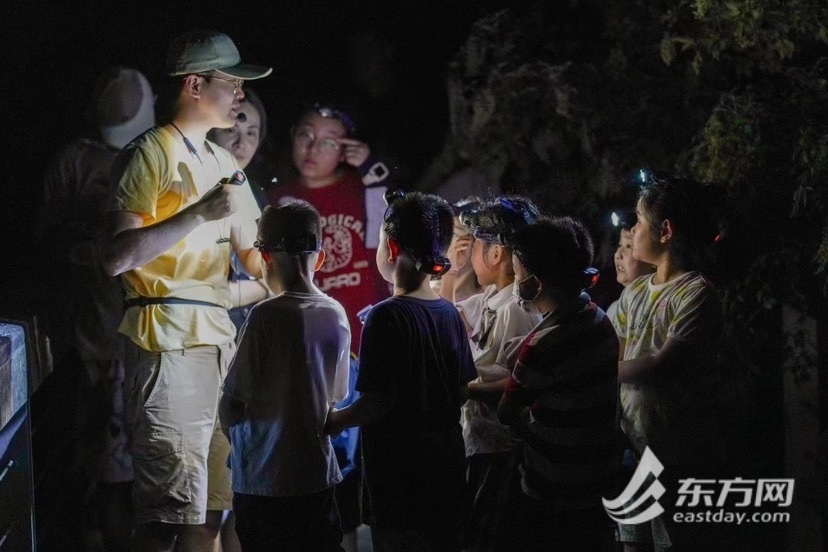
(567, 374)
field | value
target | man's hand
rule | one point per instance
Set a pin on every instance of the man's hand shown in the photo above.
(131, 244)
(218, 203)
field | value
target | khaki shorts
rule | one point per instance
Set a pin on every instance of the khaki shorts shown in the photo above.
(179, 453)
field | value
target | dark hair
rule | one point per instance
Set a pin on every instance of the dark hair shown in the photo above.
(422, 224)
(329, 111)
(498, 219)
(253, 99)
(557, 251)
(467, 204)
(688, 206)
(293, 226)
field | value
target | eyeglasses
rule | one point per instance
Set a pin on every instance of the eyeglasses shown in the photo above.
(306, 139)
(238, 84)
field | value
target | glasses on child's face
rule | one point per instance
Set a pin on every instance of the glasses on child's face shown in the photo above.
(238, 84)
(305, 138)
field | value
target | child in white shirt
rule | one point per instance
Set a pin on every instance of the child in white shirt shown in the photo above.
(291, 366)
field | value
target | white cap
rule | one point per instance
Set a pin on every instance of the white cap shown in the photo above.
(124, 106)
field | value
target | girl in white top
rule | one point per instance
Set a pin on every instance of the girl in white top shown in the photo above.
(493, 319)
(667, 324)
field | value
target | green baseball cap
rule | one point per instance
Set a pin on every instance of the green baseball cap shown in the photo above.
(202, 51)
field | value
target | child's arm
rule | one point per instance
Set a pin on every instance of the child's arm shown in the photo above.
(517, 396)
(457, 253)
(513, 403)
(231, 412)
(447, 283)
(250, 259)
(370, 406)
(488, 392)
(246, 292)
(512, 326)
(235, 391)
(471, 307)
(649, 368)
(695, 318)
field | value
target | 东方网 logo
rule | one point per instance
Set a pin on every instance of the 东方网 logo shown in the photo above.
(638, 503)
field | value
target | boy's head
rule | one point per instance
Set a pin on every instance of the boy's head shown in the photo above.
(288, 232)
(317, 151)
(555, 253)
(492, 226)
(627, 267)
(420, 225)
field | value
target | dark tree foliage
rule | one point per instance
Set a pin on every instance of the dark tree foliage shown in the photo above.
(567, 101)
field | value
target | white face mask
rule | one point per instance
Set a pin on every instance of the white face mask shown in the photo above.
(522, 296)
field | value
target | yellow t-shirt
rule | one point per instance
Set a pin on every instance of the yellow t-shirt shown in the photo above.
(156, 177)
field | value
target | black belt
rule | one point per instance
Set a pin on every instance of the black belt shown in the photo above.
(146, 301)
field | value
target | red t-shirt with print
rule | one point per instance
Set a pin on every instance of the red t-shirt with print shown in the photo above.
(349, 273)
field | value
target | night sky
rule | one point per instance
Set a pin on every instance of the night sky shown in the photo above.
(385, 61)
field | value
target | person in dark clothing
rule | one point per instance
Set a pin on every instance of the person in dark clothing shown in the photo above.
(415, 364)
(562, 394)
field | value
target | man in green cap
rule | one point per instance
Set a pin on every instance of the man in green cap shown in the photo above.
(179, 206)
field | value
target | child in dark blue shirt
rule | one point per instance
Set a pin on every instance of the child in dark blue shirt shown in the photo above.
(415, 364)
